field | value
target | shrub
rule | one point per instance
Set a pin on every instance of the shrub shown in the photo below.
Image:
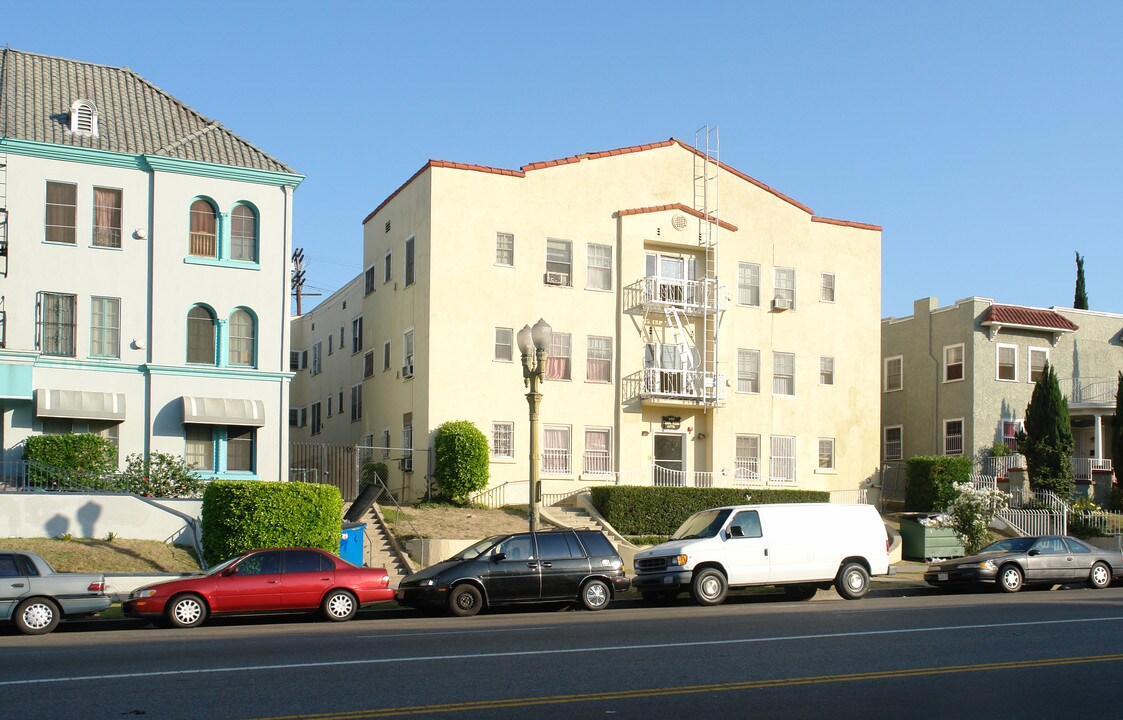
(971, 512)
(160, 475)
(932, 479)
(85, 453)
(372, 473)
(1047, 438)
(249, 514)
(635, 510)
(460, 460)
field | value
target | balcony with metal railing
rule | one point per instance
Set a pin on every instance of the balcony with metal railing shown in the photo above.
(659, 385)
(693, 297)
(1089, 391)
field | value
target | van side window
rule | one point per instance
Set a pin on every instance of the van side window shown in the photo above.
(749, 523)
(552, 546)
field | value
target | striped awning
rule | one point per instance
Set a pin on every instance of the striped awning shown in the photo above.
(223, 411)
(80, 405)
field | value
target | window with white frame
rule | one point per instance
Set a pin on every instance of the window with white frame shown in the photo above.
(368, 363)
(953, 437)
(502, 440)
(555, 450)
(505, 249)
(598, 361)
(598, 451)
(356, 402)
(407, 353)
(558, 360)
(105, 327)
(368, 281)
(747, 459)
(329, 413)
(317, 357)
(504, 344)
(598, 270)
(559, 262)
(387, 272)
(893, 442)
(1006, 357)
(953, 363)
(1038, 358)
(411, 272)
(783, 373)
(357, 335)
(826, 288)
(782, 459)
(826, 370)
(386, 355)
(317, 419)
(748, 284)
(62, 213)
(748, 371)
(331, 344)
(1010, 430)
(784, 287)
(826, 453)
(894, 373)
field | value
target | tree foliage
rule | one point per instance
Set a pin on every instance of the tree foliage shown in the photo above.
(1080, 300)
(460, 460)
(971, 512)
(1047, 440)
(1117, 429)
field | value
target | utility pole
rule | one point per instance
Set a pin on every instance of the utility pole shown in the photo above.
(298, 278)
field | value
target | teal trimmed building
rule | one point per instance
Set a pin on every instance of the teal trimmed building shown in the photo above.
(144, 272)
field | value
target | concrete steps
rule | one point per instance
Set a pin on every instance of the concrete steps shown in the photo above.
(378, 550)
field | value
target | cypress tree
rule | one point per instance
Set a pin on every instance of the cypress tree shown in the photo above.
(1047, 440)
(1117, 434)
(1080, 301)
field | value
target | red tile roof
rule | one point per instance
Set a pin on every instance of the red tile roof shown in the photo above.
(1027, 317)
(677, 206)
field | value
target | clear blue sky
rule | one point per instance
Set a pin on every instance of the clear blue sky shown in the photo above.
(986, 138)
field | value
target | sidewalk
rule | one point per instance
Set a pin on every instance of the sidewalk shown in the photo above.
(908, 574)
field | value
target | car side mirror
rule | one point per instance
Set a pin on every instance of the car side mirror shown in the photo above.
(1031, 553)
(229, 571)
(498, 556)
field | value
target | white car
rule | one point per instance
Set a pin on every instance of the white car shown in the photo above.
(35, 597)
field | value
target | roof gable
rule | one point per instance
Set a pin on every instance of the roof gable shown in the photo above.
(1029, 318)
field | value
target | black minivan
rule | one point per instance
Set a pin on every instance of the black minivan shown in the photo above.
(548, 566)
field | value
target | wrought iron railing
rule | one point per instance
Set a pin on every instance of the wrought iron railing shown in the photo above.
(1093, 390)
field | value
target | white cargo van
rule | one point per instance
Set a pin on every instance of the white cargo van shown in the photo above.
(800, 547)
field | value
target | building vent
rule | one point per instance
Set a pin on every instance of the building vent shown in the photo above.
(83, 118)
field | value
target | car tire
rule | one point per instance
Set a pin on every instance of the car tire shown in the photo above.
(186, 611)
(595, 595)
(1010, 578)
(800, 592)
(36, 616)
(339, 606)
(1100, 577)
(709, 587)
(853, 581)
(465, 600)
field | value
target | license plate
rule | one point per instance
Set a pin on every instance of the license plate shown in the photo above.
(941, 576)
(668, 580)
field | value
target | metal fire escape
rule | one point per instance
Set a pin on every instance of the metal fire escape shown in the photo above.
(706, 164)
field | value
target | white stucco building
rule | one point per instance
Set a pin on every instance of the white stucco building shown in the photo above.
(144, 272)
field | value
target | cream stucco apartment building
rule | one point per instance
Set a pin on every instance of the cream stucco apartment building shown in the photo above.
(956, 380)
(707, 329)
(144, 271)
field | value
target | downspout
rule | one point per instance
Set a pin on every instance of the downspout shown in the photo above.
(285, 383)
(148, 330)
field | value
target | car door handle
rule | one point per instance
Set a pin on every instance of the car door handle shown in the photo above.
(17, 585)
(273, 582)
(532, 565)
(546, 564)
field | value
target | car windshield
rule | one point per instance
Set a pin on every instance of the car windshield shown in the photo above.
(705, 524)
(1012, 545)
(474, 551)
(224, 564)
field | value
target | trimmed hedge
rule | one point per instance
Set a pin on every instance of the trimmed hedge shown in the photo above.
(83, 452)
(636, 510)
(461, 460)
(932, 479)
(249, 514)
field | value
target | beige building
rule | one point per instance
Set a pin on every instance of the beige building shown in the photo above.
(956, 380)
(707, 330)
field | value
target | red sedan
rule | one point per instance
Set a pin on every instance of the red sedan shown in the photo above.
(265, 581)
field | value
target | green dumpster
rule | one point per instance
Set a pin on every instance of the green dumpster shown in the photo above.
(922, 539)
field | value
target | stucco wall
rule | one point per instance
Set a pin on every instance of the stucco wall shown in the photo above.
(96, 515)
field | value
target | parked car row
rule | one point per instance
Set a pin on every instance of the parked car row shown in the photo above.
(801, 548)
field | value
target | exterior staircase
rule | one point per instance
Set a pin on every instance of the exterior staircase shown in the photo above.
(569, 512)
(380, 550)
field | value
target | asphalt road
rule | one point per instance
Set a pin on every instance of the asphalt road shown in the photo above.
(904, 654)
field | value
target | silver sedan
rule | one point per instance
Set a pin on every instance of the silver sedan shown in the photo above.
(1013, 563)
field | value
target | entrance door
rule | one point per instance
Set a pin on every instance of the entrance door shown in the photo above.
(670, 460)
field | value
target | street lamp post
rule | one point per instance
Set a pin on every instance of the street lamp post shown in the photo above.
(534, 344)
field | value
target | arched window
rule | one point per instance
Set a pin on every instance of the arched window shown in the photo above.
(243, 233)
(204, 230)
(242, 338)
(200, 336)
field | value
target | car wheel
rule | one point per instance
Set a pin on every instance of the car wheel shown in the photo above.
(800, 592)
(595, 595)
(709, 587)
(1100, 577)
(36, 616)
(339, 606)
(853, 581)
(465, 600)
(1010, 578)
(187, 611)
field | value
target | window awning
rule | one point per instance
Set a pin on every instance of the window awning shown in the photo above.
(80, 405)
(223, 411)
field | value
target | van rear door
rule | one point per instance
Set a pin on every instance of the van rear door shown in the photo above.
(746, 549)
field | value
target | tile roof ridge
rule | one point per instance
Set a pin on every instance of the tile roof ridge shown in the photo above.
(189, 137)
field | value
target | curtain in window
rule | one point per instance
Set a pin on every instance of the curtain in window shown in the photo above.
(598, 367)
(243, 234)
(239, 449)
(241, 338)
(204, 225)
(199, 451)
(107, 218)
(200, 336)
(62, 201)
(557, 362)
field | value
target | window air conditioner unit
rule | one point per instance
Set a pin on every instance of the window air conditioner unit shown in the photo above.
(407, 370)
(782, 303)
(557, 278)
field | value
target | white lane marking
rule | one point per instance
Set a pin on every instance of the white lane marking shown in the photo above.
(559, 651)
(435, 633)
